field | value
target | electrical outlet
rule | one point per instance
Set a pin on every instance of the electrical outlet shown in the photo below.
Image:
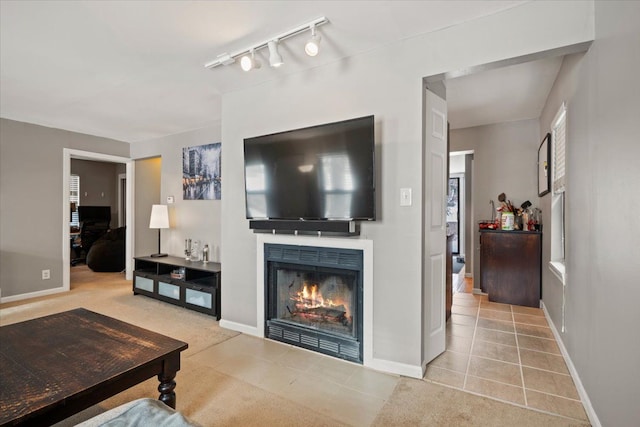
(46, 274)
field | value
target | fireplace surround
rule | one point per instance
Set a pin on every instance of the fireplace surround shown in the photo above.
(314, 298)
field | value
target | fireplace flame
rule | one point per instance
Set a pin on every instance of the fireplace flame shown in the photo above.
(310, 298)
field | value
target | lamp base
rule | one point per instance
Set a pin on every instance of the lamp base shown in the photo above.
(158, 255)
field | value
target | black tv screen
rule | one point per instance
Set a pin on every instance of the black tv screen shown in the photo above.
(94, 214)
(316, 173)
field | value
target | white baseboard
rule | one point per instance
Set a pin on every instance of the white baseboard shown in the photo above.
(377, 364)
(396, 368)
(584, 397)
(33, 294)
(241, 327)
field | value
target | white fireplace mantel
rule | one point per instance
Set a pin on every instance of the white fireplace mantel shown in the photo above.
(369, 360)
(366, 246)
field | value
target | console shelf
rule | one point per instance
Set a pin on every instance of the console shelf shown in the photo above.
(198, 289)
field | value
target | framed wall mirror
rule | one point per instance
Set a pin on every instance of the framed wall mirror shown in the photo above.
(544, 165)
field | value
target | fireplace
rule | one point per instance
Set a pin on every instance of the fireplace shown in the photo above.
(313, 298)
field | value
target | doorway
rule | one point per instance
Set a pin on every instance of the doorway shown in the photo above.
(69, 154)
(441, 86)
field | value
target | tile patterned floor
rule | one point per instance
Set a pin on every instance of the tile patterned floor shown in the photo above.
(505, 352)
(352, 393)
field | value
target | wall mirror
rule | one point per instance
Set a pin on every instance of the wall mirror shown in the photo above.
(544, 164)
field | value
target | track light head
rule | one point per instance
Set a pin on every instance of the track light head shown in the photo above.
(249, 61)
(275, 60)
(312, 46)
(246, 63)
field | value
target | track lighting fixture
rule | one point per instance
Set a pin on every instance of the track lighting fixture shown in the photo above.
(312, 47)
(248, 60)
(275, 60)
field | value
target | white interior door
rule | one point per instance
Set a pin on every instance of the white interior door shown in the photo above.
(122, 199)
(434, 246)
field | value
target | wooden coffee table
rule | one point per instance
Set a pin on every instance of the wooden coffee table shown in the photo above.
(55, 366)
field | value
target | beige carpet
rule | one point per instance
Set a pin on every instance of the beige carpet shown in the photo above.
(211, 398)
(110, 294)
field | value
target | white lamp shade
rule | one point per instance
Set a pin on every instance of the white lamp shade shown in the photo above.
(159, 217)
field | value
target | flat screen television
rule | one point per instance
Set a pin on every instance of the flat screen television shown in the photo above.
(324, 172)
(94, 214)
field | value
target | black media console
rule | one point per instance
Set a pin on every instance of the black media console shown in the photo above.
(191, 284)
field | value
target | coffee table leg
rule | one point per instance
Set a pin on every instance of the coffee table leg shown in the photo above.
(166, 387)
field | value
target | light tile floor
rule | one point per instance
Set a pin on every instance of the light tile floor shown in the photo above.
(353, 394)
(505, 352)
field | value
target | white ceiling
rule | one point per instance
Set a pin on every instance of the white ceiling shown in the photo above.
(133, 70)
(516, 92)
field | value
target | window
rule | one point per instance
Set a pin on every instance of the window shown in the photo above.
(74, 199)
(558, 144)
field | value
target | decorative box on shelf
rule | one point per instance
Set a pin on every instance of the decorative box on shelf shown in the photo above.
(191, 284)
(178, 274)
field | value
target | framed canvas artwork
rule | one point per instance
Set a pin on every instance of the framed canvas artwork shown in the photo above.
(201, 177)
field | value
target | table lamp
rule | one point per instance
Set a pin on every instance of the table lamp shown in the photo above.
(159, 219)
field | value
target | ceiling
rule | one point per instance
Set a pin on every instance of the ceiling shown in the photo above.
(133, 71)
(515, 92)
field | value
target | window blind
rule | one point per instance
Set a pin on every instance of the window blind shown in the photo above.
(559, 135)
(74, 197)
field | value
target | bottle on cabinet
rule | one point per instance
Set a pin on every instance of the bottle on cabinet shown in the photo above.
(205, 254)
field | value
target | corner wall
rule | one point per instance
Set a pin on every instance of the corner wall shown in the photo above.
(504, 161)
(30, 192)
(391, 90)
(189, 219)
(602, 251)
(147, 191)
(98, 180)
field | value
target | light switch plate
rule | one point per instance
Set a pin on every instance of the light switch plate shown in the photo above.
(169, 200)
(405, 197)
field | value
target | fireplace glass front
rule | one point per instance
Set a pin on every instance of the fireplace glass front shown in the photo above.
(315, 306)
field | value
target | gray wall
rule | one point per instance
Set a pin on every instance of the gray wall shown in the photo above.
(602, 251)
(469, 226)
(505, 157)
(31, 195)
(194, 219)
(147, 193)
(98, 185)
(565, 89)
(391, 90)
(457, 164)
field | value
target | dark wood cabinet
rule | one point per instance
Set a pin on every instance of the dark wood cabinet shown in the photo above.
(197, 287)
(510, 263)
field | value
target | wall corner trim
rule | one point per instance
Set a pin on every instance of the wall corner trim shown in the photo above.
(240, 327)
(397, 368)
(584, 397)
